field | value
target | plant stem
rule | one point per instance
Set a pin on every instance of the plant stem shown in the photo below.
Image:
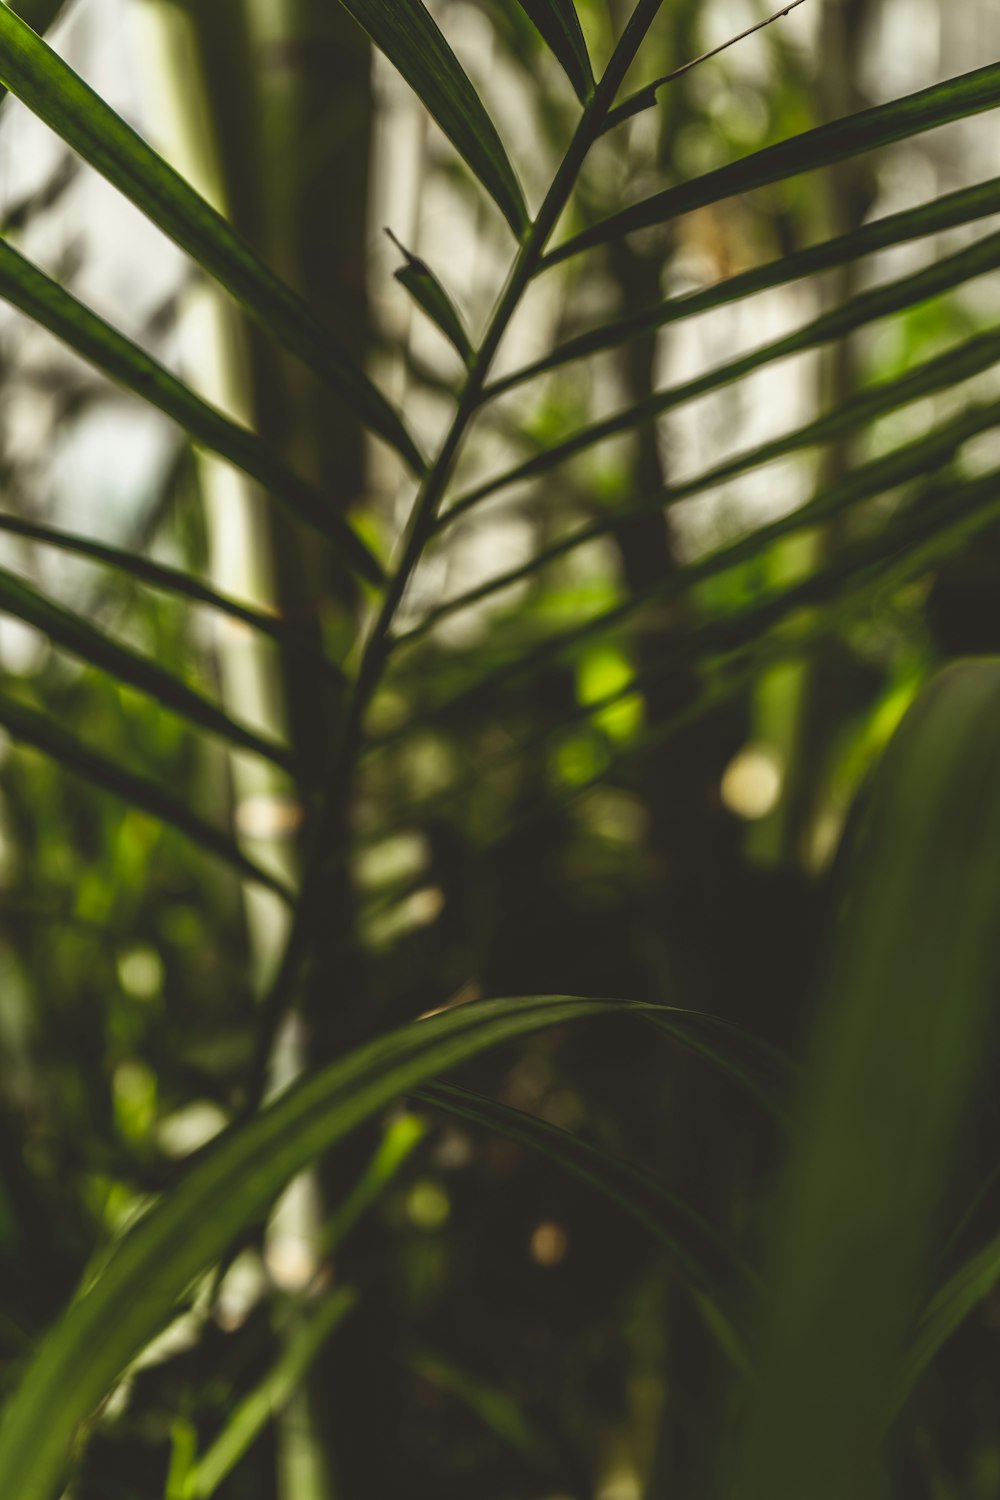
(323, 859)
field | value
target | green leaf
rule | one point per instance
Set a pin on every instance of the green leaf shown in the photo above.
(962, 207)
(51, 90)
(907, 996)
(856, 312)
(724, 1285)
(184, 1234)
(405, 31)
(955, 100)
(558, 23)
(951, 1306)
(76, 635)
(318, 1319)
(425, 289)
(46, 302)
(170, 581)
(41, 733)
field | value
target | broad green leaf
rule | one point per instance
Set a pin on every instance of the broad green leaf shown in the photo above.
(559, 24)
(907, 996)
(39, 15)
(168, 580)
(410, 38)
(76, 635)
(184, 1233)
(42, 733)
(427, 291)
(721, 1281)
(962, 207)
(317, 1321)
(51, 90)
(856, 312)
(46, 302)
(955, 100)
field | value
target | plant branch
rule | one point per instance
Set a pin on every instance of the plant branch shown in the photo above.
(310, 908)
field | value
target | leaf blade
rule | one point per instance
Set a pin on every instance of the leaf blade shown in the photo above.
(412, 41)
(42, 81)
(557, 22)
(29, 727)
(46, 302)
(958, 98)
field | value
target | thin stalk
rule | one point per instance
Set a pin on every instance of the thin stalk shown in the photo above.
(376, 649)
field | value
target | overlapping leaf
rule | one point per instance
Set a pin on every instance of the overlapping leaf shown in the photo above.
(51, 89)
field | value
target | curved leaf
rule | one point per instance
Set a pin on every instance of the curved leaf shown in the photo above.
(955, 100)
(51, 90)
(558, 23)
(427, 291)
(951, 1306)
(41, 733)
(412, 41)
(184, 1234)
(722, 1281)
(47, 303)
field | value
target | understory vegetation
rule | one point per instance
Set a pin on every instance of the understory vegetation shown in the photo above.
(500, 779)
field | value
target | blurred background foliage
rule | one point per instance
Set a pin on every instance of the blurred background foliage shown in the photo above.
(511, 1338)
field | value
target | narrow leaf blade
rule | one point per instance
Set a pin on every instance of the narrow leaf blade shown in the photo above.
(413, 43)
(957, 99)
(46, 302)
(41, 733)
(558, 23)
(428, 293)
(32, 71)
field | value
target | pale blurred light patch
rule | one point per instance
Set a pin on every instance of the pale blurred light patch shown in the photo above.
(190, 1128)
(268, 816)
(140, 972)
(242, 1288)
(751, 783)
(549, 1243)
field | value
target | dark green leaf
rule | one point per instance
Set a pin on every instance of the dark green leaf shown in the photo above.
(952, 1305)
(43, 300)
(49, 88)
(81, 639)
(32, 728)
(908, 992)
(425, 289)
(558, 22)
(711, 1266)
(955, 100)
(412, 42)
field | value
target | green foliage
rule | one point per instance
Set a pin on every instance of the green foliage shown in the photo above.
(550, 802)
